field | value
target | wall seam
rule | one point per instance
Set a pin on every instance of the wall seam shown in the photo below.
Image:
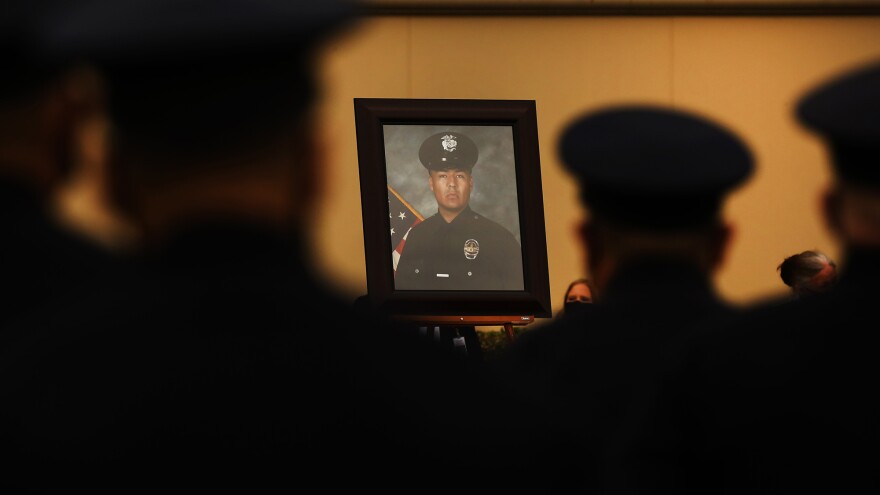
(672, 26)
(409, 57)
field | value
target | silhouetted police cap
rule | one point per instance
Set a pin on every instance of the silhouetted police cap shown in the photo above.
(846, 112)
(654, 168)
(189, 71)
(446, 150)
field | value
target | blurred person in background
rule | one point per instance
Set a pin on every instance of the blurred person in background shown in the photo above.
(780, 399)
(42, 260)
(654, 181)
(224, 362)
(579, 293)
(808, 272)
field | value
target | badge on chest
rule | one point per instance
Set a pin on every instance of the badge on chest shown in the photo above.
(471, 249)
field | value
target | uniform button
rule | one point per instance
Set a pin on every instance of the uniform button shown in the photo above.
(417, 270)
(470, 273)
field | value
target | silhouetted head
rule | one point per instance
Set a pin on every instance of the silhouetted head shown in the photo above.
(654, 181)
(808, 272)
(845, 112)
(654, 168)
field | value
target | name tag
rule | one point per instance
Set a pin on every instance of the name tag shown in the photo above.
(443, 275)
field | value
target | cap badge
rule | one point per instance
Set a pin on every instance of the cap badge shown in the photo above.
(471, 249)
(449, 143)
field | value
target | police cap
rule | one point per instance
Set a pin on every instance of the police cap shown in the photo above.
(448, 149)
(846, 112)
(654, 168)
(191, 71)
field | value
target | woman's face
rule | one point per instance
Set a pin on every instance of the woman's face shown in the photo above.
(579, 293)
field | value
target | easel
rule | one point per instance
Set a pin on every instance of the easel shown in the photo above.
(506, 321)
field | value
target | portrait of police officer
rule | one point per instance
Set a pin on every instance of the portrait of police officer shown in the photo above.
(457, 248)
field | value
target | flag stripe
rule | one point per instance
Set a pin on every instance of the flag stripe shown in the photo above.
(402, 217)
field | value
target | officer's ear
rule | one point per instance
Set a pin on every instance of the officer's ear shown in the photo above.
(120, 180)
(309, 183)
(582, 232)
(722, 238)
(832, 210)
(593, 247)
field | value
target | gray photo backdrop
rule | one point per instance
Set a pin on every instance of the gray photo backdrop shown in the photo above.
(494, 192)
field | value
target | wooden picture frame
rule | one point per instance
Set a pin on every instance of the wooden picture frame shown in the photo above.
(396, 193)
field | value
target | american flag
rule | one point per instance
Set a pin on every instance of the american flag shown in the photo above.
(402, 218)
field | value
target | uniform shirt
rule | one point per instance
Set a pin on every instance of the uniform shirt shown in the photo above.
(784, 397)
(601, 371)
(469, 253)
(40, 259)
(227, 364)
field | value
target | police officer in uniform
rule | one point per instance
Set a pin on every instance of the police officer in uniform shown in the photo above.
(457, 248)
(787, 389)
(224, 362)
(654, 180)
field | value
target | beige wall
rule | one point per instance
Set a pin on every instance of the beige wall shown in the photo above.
(745, 71)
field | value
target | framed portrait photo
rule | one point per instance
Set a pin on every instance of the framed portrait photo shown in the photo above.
(452, 207)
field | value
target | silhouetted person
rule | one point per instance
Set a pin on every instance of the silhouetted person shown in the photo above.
(785, 395)
(41, 260)
(654, 180)
(228, 364)
(808, 272)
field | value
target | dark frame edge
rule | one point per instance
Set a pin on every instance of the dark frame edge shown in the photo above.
(535, 249)
(369, 146)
